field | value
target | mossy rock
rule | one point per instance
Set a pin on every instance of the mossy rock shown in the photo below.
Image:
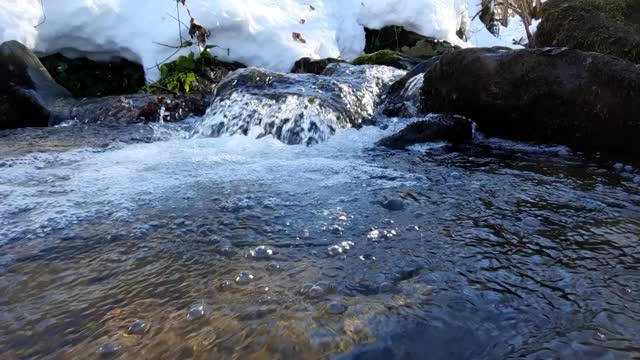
(396, 38)
(388, 58)
(189, 74)
(87, 78)
(605, 26)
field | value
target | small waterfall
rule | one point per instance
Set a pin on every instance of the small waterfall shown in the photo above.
(296, 108)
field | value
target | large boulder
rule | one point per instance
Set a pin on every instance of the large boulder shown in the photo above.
(87, 78)
(586, 100)
(27, 89)
(605, 26)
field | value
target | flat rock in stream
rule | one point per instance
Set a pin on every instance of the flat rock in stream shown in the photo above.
(128, 109)
(454, 129)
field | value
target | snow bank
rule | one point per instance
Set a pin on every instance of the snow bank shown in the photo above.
(256, 32)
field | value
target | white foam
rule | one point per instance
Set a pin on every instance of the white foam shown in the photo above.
(44, 192)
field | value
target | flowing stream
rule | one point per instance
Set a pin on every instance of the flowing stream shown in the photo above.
(242, 247)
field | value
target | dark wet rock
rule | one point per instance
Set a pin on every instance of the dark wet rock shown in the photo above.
(313, 66)
(32, 98)
(27, 89)
(608, 27)
(196, 312)
(388, 58)
(136, 108)
(394, 204)
(87, 78)
(396, 38)
(336, 308)
(296, 108)
(453, 129)
(585, 100)
(402, 99)
(138, 327)
(109, 349)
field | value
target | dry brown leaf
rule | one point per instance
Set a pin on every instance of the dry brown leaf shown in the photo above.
(298, 37)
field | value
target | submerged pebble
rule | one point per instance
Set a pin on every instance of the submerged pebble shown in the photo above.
(336, 308)
(274, 266)
(394, 205)
(196, 312)
(109, 348)
(636, 179)
(315, 292)
(225, 285)
(244, 278)
(262, 252)
(138, 327)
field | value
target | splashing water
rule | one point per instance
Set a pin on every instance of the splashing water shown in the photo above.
(296, 108)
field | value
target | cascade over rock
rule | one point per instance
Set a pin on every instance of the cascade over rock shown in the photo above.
(296, 108)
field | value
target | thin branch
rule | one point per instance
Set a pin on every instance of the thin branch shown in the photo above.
(44, 15)
(178, 20)
(169, 46)
(165, 60)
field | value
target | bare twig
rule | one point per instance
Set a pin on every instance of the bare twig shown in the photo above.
(165, 60)
(178, 20)
(44, 15)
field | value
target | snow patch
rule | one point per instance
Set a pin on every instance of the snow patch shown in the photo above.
(256, 32)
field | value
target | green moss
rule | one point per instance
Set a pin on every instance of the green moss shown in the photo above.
(382, 57)
(604, 26)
